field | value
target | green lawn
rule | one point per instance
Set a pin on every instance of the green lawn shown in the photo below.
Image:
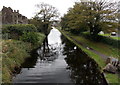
(116, 38)
(107, 35)
(113, 37)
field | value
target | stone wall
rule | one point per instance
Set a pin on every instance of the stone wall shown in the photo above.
(12, 17)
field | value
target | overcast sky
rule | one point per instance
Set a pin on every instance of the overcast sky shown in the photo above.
(27, 7)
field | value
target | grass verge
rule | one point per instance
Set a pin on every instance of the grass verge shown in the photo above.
(100, 47)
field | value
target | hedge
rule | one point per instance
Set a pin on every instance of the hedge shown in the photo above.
(14, 31)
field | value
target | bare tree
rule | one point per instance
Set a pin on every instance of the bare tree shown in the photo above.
(48, 14)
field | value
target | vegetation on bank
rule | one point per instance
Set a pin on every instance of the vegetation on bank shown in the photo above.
(93, 17)
(13, 54)
(100, 47)
(18, 41)
(17, 30)
(113, 37)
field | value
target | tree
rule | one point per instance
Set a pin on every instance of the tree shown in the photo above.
(101, 15)
(92, 15)
(37, 22)
(73, 21)
(47, 14)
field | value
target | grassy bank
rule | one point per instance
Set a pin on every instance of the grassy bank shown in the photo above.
(14, 52)
(18, 41)
(100, 47)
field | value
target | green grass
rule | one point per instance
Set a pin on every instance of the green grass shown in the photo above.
(100, 47)
(89, 53)
(103, 48)
(41, 38)
(113, 37)
(116, 38)
(112, 78)
(106, 35)
(96, 57)
(14, 53)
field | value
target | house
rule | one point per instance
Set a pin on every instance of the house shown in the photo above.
(12, 17)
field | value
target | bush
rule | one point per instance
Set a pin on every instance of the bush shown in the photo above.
(110, 41)
(37, 23)
(15, 31)
(31, 37)
(105, 40)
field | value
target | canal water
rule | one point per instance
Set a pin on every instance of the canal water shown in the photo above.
(58, 61)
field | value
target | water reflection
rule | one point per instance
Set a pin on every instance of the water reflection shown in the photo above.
(60, 61)
(31, 62)
(82, 68)
(47, 52)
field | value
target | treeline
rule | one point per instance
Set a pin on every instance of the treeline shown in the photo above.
(92, 17)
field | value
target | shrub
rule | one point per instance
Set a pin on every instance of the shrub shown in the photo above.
(38, 24)
(15, 31)
(110, 41)
(105, 40)
(31, 37)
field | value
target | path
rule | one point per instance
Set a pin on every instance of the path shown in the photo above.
(103, 56)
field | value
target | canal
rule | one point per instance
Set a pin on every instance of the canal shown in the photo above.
(58, 61)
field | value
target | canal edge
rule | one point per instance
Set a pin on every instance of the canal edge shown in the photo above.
(103, 74)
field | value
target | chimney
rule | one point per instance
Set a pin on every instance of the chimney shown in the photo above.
(4, 7)
(17, 11)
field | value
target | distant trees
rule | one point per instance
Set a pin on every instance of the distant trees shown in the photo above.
(93, 16)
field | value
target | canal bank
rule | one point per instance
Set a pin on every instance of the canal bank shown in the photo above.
(97, 56)
(59, 61)
(14, 53)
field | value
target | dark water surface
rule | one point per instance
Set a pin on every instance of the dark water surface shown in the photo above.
(59, 62)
